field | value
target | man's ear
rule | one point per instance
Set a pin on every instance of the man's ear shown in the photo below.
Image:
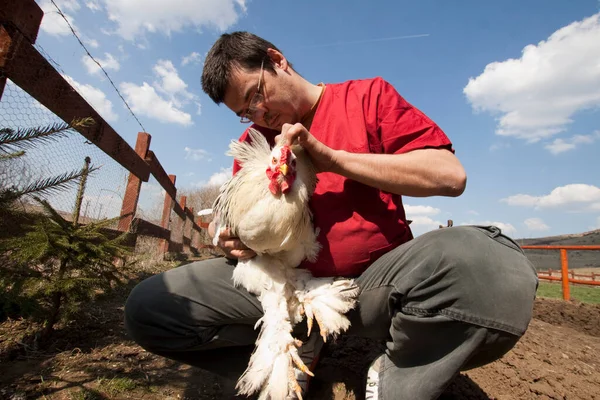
(278, 59)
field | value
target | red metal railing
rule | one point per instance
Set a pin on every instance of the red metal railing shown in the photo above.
(564, 264)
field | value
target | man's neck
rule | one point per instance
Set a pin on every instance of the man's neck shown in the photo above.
(313, 97)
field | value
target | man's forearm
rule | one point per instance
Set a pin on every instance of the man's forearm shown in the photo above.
(420, 173)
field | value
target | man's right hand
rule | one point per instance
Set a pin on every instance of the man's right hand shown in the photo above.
(233, 246)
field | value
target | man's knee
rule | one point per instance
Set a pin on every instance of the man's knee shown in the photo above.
(497, 344)
(141, 319)
(159, 318)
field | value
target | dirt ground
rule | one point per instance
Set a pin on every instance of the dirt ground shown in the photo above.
(558, 358)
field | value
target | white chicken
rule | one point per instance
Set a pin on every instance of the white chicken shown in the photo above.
(265, 204)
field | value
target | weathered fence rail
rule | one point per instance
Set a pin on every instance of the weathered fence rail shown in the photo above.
(23, 65)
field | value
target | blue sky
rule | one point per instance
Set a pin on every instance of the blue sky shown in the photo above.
(514, 84)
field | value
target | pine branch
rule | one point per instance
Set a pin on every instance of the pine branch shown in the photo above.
(46, 186)
(27, 138)
(54, 215)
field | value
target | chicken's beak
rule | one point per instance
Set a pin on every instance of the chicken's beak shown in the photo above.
(284, 169)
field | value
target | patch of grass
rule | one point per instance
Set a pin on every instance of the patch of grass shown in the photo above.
(116, 385)
(585, 294)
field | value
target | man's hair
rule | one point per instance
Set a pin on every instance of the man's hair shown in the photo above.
(233, 50)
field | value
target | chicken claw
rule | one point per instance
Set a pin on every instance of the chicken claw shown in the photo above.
(309, 317)
(293, 383)
(293, 352)
(297, 361)
(315, 315)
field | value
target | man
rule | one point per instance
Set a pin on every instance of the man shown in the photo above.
(446, 301)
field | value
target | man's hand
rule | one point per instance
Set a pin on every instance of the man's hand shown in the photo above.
(323, 157)
(233, 246)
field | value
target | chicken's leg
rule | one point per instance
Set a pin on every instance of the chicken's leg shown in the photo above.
(271, 370)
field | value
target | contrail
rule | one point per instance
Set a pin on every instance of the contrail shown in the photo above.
(366, 41)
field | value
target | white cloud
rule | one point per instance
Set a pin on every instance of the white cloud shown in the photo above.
(136, 17)
(421, 218)
(219, 178)
(421, 210)
(573, 194)
(144, 100)
(472, 212)
(193, 58)
(536, 224)
(537, 95)
(53, 23)
(96, 98)
(505, 227)
(165, 98)
(92, 43)
(108, 62)
(197, 154)
(93, 5)
(561, 145)
(70, 5)
(171, 84)
(422, 223)
(597, 226)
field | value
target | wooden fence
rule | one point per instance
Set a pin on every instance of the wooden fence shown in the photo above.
(21, 62)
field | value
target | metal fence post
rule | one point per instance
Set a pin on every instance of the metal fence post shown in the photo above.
(564, 264)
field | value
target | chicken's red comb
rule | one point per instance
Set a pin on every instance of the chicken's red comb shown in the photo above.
(286, 151)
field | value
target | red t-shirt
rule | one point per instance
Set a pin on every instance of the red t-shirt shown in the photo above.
(359, 223)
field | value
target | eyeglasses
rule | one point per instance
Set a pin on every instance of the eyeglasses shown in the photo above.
(256, 99)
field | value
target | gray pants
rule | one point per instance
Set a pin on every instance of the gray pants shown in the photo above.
(449, 300)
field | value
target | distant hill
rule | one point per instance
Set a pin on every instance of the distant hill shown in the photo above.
(544, 259)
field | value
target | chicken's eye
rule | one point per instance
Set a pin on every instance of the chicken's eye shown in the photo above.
(274, 160)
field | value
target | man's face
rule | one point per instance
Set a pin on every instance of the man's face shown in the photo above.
(274, 104)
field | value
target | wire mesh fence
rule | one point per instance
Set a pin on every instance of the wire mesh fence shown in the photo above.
(35, 93)
(151, 201)
(105, 186)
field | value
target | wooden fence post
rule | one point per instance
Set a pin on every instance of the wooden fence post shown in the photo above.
(193, 234)
(166, 216)
(187, 229)
(24, 15)
(177, 227)
(134, 184)
(199, 223)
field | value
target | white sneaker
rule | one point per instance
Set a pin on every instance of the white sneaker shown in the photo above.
(309, 354)
(372, 389)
